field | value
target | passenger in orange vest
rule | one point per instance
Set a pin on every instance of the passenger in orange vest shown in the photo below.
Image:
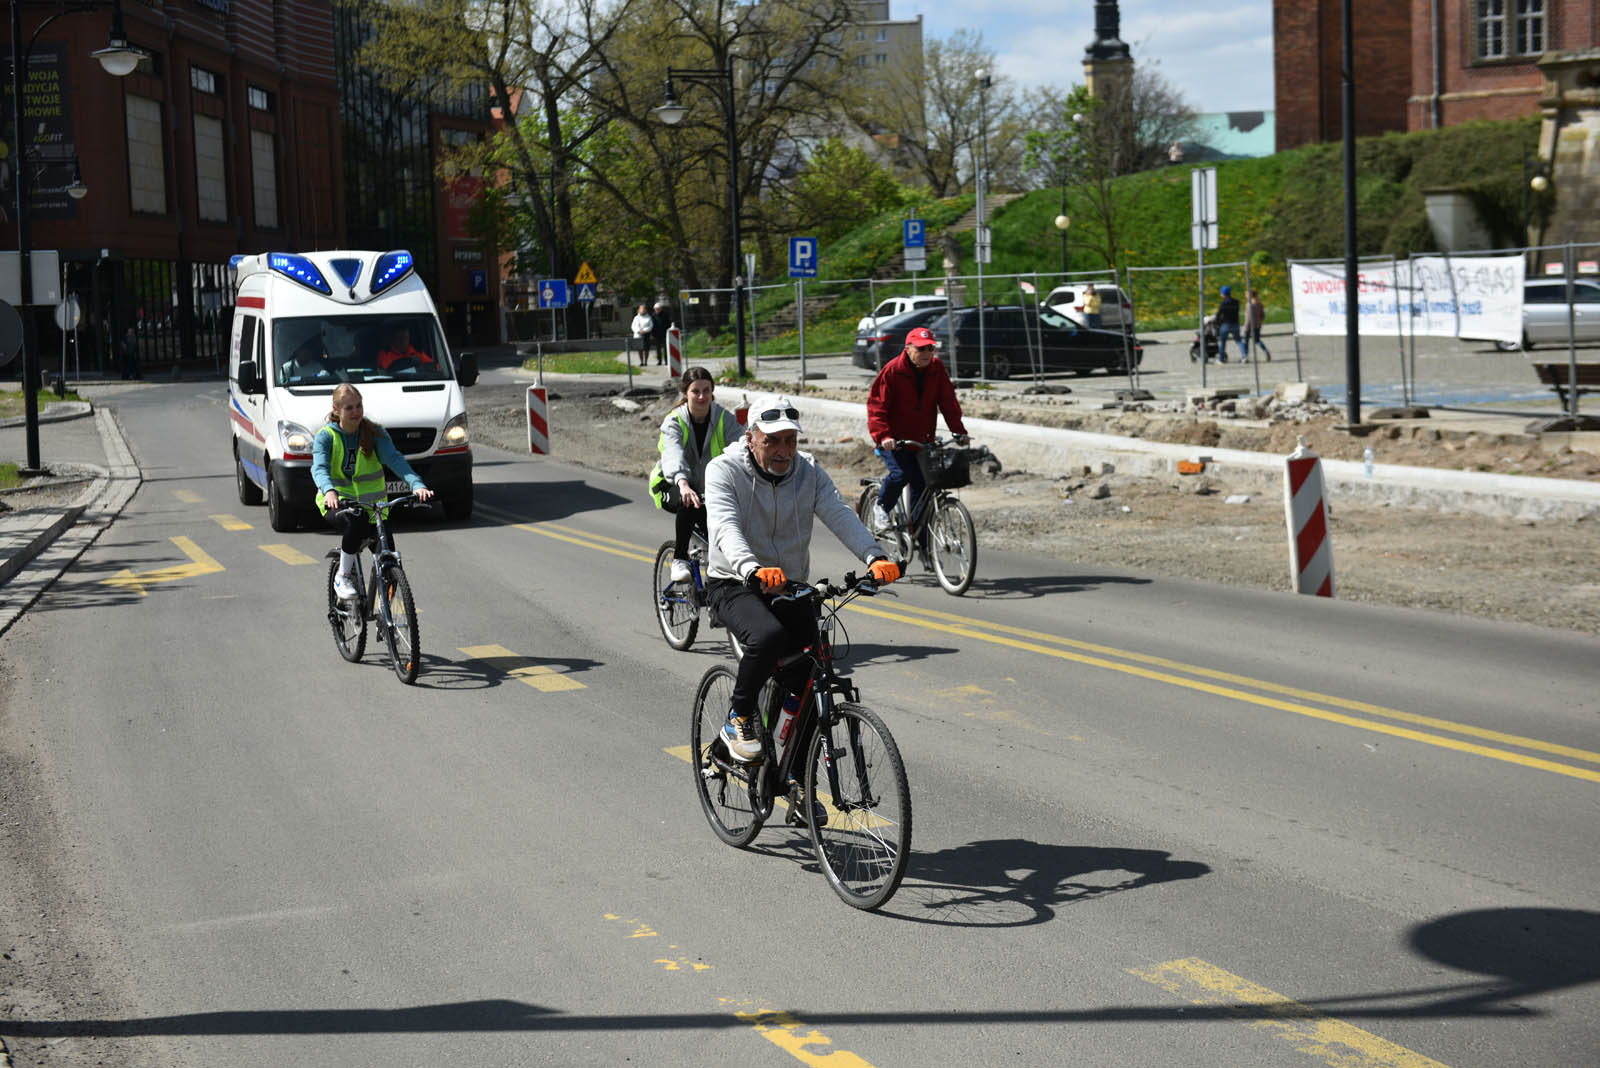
(400, 349)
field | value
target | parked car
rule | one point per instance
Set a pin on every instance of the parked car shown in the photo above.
(880, 344)
(889, 307)
(1116, 310)
(1014, 337)
(1544, 312)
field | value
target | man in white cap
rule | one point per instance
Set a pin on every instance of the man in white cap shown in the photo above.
(761, 496)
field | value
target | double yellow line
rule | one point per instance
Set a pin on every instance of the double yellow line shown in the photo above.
(1429, 730)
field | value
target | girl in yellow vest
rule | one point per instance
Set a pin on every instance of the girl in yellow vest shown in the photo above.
(348, 456)
(692, 435)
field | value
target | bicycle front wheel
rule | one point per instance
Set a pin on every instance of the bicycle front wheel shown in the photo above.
(401, 630)
(953, 545)
(895, 542)
(676, 609)
(346, 619)
(854, 769)
(721, 783)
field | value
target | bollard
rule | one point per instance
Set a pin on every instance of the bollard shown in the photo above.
(1305, 506)
(741, 414)
(674, 351)
(538, 420)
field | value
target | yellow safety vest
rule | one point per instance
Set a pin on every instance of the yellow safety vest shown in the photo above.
(368, 486)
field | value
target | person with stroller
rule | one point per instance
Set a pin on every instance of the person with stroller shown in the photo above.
(1228, 326)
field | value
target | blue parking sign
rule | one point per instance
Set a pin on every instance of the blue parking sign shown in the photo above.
(802, 257)
(916, 234)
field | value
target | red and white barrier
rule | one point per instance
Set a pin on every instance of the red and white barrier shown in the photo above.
(538, 420)
(741, 414)
(1305, 505)
(674, 351)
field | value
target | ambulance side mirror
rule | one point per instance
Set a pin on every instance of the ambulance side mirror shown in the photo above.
(250, 378)
(466, 368)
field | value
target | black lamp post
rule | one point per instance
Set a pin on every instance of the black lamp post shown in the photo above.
(672, 113)
(1535, 180)
(118, 58)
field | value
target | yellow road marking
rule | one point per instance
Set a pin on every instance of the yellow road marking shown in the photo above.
(1457, 744)
(541, 678)
(231, 522)
(1308, 1030)
(586, 542)
(188, 496)
(287, 553)
(200, 563)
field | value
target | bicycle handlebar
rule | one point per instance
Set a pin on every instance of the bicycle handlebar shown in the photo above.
(350, 506)
(974, 453)
(823, 589)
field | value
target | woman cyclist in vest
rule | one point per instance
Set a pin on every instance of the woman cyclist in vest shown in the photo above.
(348, 456)
(692, 435)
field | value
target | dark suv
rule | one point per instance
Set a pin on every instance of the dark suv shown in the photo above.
(1017, 340)
(878, 345)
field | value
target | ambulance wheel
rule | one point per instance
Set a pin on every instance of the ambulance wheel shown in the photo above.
(249, 492)
(283, 516)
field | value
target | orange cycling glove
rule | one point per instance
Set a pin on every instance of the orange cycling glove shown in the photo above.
(771, 579)
(884, 571)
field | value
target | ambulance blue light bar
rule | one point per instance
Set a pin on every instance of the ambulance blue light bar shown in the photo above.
(301, 270)
(391, 267)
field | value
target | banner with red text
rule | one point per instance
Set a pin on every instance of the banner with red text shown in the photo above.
(1477, 297)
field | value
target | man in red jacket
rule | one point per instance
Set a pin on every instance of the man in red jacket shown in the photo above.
(903, 405)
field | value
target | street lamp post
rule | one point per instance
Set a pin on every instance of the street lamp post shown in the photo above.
(981, 245)
(672, 113)
(118, 58)
(1062, 222)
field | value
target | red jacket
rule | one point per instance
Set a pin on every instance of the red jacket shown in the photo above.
(896, 408)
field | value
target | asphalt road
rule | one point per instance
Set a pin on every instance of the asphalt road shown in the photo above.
(1157, 822)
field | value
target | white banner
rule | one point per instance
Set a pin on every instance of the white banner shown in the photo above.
(1477, 297)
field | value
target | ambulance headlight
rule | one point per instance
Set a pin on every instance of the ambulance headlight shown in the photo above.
(295, 437)
(455, 432)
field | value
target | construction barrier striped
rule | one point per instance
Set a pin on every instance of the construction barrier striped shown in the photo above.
(538, 420)
(674, 351)
(1305, 505)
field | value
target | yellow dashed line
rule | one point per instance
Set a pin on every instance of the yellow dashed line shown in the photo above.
(188, 496)
(231, 522)
(513, 665)
(288, 554)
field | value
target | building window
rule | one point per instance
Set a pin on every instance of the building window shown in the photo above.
(264, 178)
(202, 80)
(1500, 34)
(147, 174)
(881, 58)
(258, 98)
(883, 35)
(210, 169)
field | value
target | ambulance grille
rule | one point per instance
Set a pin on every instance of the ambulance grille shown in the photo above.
(411, 440)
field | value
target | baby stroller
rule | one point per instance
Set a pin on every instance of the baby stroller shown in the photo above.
(1209, 337)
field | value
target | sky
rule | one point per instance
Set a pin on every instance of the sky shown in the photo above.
(1219, 56)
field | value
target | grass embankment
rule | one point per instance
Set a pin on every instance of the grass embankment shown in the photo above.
(1287, 205)
(9, 479)
(581, 363)
(11, 402)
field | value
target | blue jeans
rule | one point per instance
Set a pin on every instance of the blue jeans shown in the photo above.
(902, 470)
(1223, 330)
(1091, 320)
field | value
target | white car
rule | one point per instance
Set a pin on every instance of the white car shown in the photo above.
(1116, 310)
(892, 306)
(1544, 313)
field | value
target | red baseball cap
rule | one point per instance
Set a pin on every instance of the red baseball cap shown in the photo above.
(921, 337)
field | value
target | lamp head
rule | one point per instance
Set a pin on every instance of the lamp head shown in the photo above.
(1062, 222)
(1539, 183)
(670, 112)
(118, 57)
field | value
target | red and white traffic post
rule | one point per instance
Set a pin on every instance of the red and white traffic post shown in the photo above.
(1305, 506)
(674, 351)
(538, 420)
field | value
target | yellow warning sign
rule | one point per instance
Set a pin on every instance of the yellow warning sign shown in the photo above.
(585, 276)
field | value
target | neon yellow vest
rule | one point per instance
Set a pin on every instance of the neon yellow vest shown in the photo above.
(368, 486)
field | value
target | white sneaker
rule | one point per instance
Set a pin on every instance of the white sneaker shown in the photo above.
(680, 571)
(343, 588)
(880, 518)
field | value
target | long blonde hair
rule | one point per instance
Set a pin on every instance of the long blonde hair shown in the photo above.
(367, 432)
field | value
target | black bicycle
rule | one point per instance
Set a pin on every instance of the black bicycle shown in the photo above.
(678, 604)
(395, 612)
(829, 759)
(940, 532)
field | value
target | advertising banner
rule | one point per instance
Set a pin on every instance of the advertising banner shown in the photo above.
(1476, 297)
(52, 146)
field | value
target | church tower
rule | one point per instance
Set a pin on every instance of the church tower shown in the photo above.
(1107, 65)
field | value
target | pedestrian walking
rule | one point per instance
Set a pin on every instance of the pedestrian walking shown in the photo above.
(130, 354)
(1255, 313)
(662, 318)
(1228, 323)
(642, 327)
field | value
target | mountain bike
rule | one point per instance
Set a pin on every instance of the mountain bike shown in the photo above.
(394, 612)
(678, 604)
(829, 759)
(940, 531)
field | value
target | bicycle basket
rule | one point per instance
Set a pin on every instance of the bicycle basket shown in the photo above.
(944, 468)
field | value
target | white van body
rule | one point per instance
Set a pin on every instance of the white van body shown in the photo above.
(305, 322)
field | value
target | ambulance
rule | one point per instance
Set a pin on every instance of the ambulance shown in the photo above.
(306, 321)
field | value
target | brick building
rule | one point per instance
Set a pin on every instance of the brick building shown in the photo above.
(1427, 64)
(225, 139)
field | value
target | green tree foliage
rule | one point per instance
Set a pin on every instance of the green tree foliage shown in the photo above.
(838, 187)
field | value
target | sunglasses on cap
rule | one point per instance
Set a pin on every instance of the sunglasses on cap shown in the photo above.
(773, 414)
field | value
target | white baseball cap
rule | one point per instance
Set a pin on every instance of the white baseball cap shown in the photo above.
(780, 415)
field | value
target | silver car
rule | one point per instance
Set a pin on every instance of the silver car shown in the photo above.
(1544, 313)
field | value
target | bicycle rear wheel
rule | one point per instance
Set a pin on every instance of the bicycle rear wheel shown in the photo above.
(401, 632)
(953, 545)
(721, 783)
(854, 769)
(676, 609)
(895, 542)
(346, 618)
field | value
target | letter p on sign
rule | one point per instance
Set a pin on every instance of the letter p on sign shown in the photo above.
(802, 257)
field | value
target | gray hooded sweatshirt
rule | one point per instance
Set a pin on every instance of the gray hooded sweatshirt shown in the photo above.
(755, 522)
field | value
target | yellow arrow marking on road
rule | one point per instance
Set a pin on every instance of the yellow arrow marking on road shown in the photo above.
(231, 522)
(541, 678)
(188, 496)
(200, 563)
(1308, 1030)
(287, 553)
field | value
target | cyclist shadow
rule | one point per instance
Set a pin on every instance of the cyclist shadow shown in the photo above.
(860, 654)
(1045, 585)
(1014, 882)
(546, 674)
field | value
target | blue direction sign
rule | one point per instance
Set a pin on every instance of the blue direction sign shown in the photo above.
(586, 294)
(802, 257)
(916, 234)
(552, 292)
